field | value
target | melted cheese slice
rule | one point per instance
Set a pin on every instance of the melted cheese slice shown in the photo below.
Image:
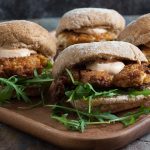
(111, 67)
(11, 53)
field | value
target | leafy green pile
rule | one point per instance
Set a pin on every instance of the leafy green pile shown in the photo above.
(15, 87)
(82, 119)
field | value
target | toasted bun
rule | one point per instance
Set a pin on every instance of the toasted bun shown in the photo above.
(137, 32)
(54, 41)
(114, 104)
(91, 17)
(26, 34)
(81, 52)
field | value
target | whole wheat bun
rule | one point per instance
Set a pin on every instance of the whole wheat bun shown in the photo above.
(26, 34)
(78, 53)
(113, 104)
(91, 17)
(137, 32)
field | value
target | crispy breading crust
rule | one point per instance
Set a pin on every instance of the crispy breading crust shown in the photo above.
(97, 78)
(66, 39)
(22, 66)
(133, 75)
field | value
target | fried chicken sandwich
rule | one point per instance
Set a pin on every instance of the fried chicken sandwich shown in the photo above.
(138, 33)
(108, 76)
(85, 25)
(25, 51)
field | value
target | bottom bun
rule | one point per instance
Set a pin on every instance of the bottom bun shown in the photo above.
(113, 104)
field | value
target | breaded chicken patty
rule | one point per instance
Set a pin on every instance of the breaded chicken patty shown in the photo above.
(22, 66)
(97, 78)
(132, 75)
(69, 38)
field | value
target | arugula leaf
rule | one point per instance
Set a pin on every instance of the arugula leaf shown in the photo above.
(106, 116)
(145, 92)
(130, 118)
(83, 119)
(5, 94)
(89, 117)
(40, 79)
(13, 86)
(71, 124)
(86, 91)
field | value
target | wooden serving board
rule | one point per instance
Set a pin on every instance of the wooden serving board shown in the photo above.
(37, 122)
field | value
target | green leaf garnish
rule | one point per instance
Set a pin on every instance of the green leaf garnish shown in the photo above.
(83, 119)
(16, 86)
(145, 92)
(86, 91)
(8, 86)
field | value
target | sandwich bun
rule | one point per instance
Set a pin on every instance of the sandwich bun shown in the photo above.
(91, 17)
(137, 32)
(113, 104)
(81, 52)
(22, 34)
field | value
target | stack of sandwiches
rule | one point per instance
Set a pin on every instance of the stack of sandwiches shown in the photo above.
(99, 63)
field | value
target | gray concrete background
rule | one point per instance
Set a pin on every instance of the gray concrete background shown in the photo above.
(25, 9)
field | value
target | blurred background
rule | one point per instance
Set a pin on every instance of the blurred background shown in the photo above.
(31, 9)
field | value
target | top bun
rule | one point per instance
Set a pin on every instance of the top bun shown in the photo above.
(137, 32)
(81, 52)
(26, 34)
(91, 17)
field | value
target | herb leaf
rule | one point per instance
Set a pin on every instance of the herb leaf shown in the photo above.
(71, 124)
(10, 85)
(145, 92)
(86, 91)
(16, 86)
(83, 119)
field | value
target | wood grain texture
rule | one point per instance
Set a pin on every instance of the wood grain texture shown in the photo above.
(38, 123)
(12, 139)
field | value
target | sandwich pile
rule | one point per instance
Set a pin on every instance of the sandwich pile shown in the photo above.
(93, 77)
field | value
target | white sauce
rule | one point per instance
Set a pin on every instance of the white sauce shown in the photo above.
(111, 67)
(92, 31)
(11, 53)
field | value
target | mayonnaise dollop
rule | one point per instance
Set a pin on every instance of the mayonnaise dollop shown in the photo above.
(111, 67)
(92, 30)
(11, 53)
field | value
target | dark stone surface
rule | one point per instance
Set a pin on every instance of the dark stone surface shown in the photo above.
(12, 139)
(24, 9)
